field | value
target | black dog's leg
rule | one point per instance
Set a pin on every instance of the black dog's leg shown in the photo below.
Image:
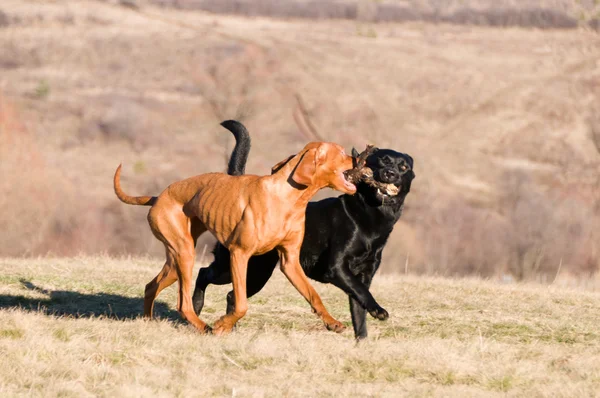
(359, 319)
(359, 291)
(210, 275)
(260, 269)
(359, 313)
(216, 273)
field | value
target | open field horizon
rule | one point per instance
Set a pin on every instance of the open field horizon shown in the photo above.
(72, 327)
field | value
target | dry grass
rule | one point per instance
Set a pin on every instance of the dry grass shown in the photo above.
(70, 327)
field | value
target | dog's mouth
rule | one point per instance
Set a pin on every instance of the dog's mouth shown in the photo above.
(350, 187)
(387, 192)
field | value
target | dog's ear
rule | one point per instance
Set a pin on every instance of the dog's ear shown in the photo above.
(407, 181)
(279, 165)
(411, 162)
(306, 169)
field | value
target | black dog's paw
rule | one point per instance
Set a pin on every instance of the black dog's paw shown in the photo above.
(379, 313)
(360, 337)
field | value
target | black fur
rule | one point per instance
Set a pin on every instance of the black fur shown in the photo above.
(343, 241)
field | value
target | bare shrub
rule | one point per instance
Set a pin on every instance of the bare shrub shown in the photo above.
(14, 55)
(529, 233)
(121, 118)
(232, 83)
(219, 82)
(544, 230)
(4, 20)
(42, 212)
(576, 241)
(459, 239)
(29, 187)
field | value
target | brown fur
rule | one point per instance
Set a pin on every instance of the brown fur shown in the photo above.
(249, 215)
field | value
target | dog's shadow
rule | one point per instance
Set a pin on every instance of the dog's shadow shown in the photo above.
(82, 305)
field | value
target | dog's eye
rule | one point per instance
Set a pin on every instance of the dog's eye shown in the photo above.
(384, 161)
(403, 167)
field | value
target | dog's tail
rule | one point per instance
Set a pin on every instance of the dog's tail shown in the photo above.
(239, 155)
(130, 200)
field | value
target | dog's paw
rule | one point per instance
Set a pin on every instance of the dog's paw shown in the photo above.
(200, 326)
(379, 313)
(335, 326)
(359, 338)
(222, 327)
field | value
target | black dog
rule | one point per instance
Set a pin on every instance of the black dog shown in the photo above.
(344, 236)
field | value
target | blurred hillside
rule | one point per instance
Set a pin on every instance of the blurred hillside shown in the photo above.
(502, 121)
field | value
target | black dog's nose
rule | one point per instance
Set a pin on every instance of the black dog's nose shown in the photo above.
(389, 174)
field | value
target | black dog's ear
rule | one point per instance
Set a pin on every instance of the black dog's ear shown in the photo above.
(407, 181)
(410, 160)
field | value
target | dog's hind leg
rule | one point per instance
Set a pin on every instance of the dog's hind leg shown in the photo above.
(165, 278)
(168, 275)
(205, 278)
(175, 230)
(218, 273)
(185, 262)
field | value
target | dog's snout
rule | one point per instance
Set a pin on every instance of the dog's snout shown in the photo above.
(349, 162)
(389, 174)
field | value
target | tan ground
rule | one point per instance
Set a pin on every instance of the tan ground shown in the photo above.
(503, 124)
(444, 338)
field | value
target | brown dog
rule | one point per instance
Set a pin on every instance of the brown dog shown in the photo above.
(249, 215)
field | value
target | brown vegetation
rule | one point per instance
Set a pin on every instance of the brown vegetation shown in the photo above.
(501, 123)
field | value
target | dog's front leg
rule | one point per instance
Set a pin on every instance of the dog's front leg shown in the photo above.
(359, 291)
(260, 269)
(359, 319)
(290, 265)
(358, 312)
(239, 268)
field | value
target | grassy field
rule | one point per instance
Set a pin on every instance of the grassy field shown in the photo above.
(502, 123)
(71, 327)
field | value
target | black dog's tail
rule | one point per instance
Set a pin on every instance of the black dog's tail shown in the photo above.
(239, 155)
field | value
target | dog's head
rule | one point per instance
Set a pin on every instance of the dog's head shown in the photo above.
(389, 167)
(320, 164)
